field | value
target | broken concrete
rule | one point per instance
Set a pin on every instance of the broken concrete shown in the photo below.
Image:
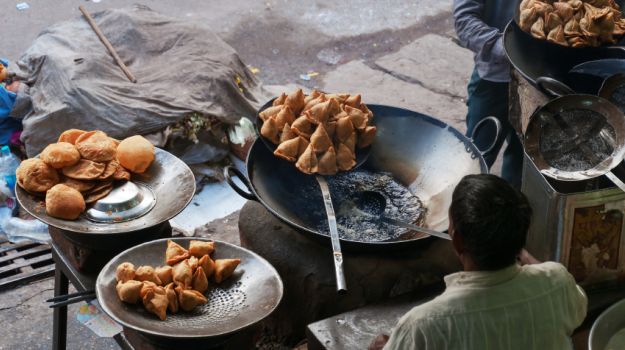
(429, 58)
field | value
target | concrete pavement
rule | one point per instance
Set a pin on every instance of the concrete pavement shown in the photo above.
(395, 52)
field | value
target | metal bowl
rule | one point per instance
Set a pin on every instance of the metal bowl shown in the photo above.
(606, 326)
(246, 298)
(126, 209)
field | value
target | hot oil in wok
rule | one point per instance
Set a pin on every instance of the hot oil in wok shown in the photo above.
(358, 226)
(592, 131)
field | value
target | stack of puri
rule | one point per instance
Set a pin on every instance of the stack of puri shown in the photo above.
(80, 169)
(319, 132)
(178, 285)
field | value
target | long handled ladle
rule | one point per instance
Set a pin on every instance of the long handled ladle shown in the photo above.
(373, 203)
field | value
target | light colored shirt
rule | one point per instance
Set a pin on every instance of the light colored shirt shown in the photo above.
(529, 307)
(480, 25)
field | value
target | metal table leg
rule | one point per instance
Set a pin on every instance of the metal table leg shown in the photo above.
(59, 332)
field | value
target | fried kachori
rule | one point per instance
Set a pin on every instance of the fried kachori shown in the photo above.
(59, 155)
(34, 175)
(135, 153)
(96, 146)
(64, 202)
(71, 135)
(84, 170)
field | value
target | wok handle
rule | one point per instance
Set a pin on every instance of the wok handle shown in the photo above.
(245, 194)
(553, 87)
(615, 180)
(497, 133)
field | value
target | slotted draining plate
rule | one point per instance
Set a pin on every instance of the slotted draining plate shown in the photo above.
(247, 297)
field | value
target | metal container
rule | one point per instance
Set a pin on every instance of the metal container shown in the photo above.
(579, 224)
(609, 323)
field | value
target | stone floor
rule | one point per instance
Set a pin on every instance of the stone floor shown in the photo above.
(393, 52)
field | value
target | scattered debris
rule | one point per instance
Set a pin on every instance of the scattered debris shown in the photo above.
(253, 69)
(308, 76)
(22, 6)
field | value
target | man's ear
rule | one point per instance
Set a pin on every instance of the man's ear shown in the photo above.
(457, 240)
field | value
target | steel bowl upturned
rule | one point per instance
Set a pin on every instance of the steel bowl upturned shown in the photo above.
(607, 324)
(247, 297)
(168, 178)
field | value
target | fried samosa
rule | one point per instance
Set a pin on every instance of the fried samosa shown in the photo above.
(564, 10)
(147, 273)
(285, 116)
(538, 29)
(357, 117)
(527, 18)
(319, 140)
(269, 113)
(367, 111)
(125, 272)
(129, 291)
(313, 95)
(327, 162)
(367, 136)
(353, 101)
(201, 248)
(295, 101)
(193, 262)
(307, 162)
(344, 129)
(224, 268)
(321, 112)
(556, 36)
(165, 274)
(156, 302)
(303, 145)
(279, 100)
(319, 99)
(302, 127)
(175, 253)
(270, 131)
(188, 299)
(172, 298)
(345, 159)
(331, 129)
(183, 274)
(288, 150)
(208, 266)
(287, 133)
(200, 283)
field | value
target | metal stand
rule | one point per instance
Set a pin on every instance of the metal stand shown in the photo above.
(64, 274)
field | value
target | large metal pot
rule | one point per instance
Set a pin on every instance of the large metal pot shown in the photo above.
(424, 154)
(606, 326)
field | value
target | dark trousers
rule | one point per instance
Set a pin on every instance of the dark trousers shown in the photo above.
(488, 98)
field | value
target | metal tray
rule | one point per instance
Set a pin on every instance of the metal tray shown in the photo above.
(169, 178)
(247, 297)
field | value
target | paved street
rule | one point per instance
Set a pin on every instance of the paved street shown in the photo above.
(394, 52)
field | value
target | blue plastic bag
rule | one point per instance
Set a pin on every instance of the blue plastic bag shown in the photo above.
(7, 124)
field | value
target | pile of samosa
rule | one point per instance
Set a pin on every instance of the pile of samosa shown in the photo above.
(573, 23)
(179, 285)
(319, 132)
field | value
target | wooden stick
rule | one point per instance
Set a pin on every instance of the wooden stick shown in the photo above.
(108, 45)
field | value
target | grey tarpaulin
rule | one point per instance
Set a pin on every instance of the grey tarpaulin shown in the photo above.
(181, 67)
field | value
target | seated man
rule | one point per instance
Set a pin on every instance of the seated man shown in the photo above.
(494, 303)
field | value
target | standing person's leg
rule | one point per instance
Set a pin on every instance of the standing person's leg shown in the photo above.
(488, 98)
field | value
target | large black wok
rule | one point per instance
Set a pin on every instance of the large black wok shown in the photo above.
(426, 155)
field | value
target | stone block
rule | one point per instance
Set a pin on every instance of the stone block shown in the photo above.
(434, 61)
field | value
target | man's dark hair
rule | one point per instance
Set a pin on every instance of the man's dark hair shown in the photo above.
(493, 219)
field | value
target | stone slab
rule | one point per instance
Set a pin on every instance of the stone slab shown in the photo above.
(434, 61)
(307, 271)
(378, 87)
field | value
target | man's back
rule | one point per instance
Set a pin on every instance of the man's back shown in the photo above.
(529, 307)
